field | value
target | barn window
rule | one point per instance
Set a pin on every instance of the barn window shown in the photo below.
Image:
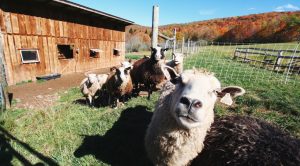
(30, 56)
(95, 53)
(65, 51)
(116, 52)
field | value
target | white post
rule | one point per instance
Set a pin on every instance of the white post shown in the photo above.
(155, 18)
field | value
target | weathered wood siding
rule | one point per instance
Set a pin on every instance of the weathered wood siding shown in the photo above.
(23, 31)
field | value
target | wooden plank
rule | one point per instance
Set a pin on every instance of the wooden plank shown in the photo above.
(38, 25)
(21, 70)
(18, 46)
(65, 25)
(2, 21)
(43, 26)
(56, 26)
(24, 42)
(41, 67)
(33, 25)
(28, 25)
(21, 23)
(52, 27)
(13, 55)
(7, 58)
(7, 21)
(54, 55)
(46, 55)
(15, 23)
(61, 29)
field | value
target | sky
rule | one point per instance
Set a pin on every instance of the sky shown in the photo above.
(180, 11)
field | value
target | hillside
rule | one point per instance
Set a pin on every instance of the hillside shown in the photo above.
(266, 27)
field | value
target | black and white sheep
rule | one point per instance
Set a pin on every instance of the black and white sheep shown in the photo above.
(151, 72)
(184, 114)
(119, 84)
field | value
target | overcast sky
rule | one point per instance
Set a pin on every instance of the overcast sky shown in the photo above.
(184, 11)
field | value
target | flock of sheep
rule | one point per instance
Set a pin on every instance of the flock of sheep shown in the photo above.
(183, 129)
(148, 73)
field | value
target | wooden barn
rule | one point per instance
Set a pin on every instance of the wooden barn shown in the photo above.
(41, 37)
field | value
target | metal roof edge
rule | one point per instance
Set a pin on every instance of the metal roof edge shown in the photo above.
(75, 5)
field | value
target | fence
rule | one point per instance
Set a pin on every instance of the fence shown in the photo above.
(240, 62)
(2, 77)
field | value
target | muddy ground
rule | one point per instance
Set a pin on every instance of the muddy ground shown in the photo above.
(42, 95)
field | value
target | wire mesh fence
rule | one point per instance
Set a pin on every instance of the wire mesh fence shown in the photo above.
(240, 62)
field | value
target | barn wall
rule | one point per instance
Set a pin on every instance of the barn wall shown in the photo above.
(27, 31)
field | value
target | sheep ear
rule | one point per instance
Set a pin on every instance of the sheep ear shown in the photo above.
(152, 49)
(227, 94)
(113, 69)
(165, 49)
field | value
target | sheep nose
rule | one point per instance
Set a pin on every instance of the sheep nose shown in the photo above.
(197, 104)
(185, 101)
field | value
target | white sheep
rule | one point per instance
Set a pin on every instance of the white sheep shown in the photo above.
(91, 85)
(181, 127)
(176, 62)
(182, 117)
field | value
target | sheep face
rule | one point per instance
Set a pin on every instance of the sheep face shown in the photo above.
(178, 58)
(122, 73)
(194, 98)
(158, 53)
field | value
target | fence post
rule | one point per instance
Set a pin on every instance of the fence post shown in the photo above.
(3, 82)
(182, 46)
(246, 55)
(188, 47)
(174, 41)
(278, 61)
(155, 18)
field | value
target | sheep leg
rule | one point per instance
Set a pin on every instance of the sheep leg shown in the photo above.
(149, 91)
(90, 100)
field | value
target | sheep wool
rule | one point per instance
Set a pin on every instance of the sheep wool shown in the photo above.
(165, 142)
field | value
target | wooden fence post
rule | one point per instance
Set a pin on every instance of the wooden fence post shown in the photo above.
(174, 41)
(246, 55)
(278, 61)
(188, 47)
(155, 18)
(182, 46)
(3, 82)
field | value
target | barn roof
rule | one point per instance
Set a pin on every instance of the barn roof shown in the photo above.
(83, 9)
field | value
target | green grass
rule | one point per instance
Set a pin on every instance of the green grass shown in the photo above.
(70, 133)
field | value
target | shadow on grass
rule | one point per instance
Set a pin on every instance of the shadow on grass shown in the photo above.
(7, 152)
(123, 144)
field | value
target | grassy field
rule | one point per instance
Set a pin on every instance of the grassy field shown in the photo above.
(71, 133)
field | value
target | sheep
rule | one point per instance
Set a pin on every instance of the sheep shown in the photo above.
(244, 140)
(176, 62)
(151, 71)
(184, 114)
(119, 84)
(182, 117)
(90, 86)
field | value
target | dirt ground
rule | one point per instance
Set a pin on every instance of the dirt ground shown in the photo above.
(42, 95)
